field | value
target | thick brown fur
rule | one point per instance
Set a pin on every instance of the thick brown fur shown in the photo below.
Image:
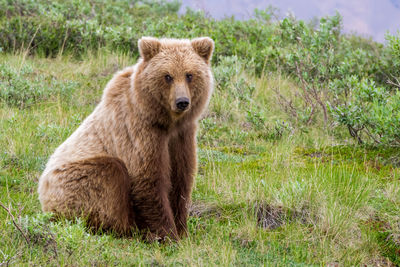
(132, 161)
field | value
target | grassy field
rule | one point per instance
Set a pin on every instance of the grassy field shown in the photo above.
(266, 192)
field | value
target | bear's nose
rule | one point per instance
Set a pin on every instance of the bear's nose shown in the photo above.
(182, 103)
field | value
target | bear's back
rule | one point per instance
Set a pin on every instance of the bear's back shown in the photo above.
(92, 138)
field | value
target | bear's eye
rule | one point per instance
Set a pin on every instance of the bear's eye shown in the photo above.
(168, 78)
(189, 77)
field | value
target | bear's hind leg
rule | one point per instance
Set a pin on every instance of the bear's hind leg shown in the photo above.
(96, 188)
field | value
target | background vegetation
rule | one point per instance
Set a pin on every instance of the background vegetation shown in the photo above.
(298, 154)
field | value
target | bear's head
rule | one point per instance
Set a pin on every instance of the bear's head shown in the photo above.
(175, 75)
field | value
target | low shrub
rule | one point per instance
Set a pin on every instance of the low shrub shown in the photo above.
(23, 87)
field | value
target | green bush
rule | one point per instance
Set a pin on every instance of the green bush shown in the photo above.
(370, 113)
(391, 61)
(23, 87)
(314, 57)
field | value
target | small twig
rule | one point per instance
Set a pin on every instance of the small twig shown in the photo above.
(311, 115)
(394, 84)
(287, 104)
(354, 133)
(15, 223)
(371, 136)
(9, 260)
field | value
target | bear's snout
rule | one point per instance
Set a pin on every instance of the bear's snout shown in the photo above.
(182, 103)
(179, 98)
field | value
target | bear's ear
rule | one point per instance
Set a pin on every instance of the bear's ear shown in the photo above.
(149, 47)
(204, 46)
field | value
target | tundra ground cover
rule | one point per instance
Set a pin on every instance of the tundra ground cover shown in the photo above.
(277, 183)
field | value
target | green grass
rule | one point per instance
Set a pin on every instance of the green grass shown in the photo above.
(329, 200)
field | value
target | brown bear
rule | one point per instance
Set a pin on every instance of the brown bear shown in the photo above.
(131, 163)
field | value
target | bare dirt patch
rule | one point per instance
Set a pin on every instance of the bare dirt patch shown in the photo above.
(202, 209)
(271, 217)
